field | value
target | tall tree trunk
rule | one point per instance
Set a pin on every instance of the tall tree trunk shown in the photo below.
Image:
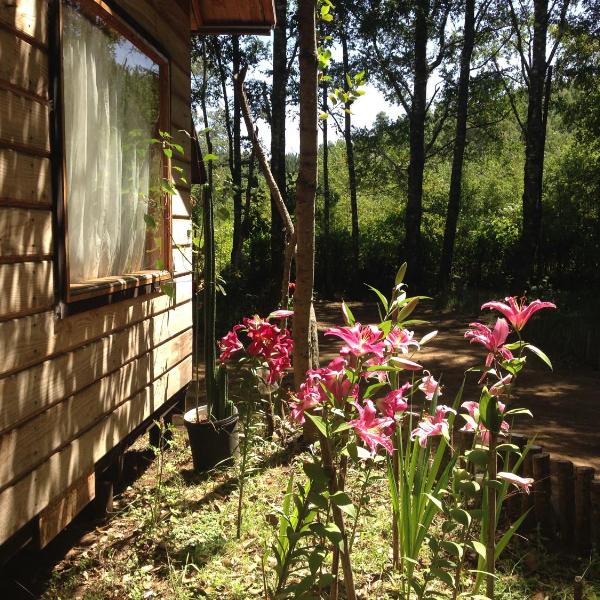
(460, 142)
(534, 145)
(228, 122)
(306, 190)
(414, 205)
(203, 107)
(237, 161)
(350, 156)
(278, 110)
(326, 197)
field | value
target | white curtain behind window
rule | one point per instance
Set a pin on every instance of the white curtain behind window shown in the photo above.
(111, 106)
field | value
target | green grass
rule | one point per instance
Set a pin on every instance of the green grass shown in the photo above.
(190, 551)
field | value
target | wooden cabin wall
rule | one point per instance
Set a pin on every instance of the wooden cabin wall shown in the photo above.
(71, 389)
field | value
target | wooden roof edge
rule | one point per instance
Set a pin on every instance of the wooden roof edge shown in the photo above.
(234, 27)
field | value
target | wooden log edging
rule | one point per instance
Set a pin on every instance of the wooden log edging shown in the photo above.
(564, 503)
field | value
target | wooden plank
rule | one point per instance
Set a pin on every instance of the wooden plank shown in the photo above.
(24, 178)
(24, 121)
(31, 340)
(181, 231)
(27, 16)
(25, 233)
(56, 516)
(181, 110)
(181, 203)
(182, 259)
(23, 501)
(25, 447)
(23, 65)
(26, 288)
(36, 389)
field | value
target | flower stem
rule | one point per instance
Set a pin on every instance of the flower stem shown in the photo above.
(490, 550)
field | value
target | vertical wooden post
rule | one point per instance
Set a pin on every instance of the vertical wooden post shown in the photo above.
(154, 435)
(542, 493)
(596, 511)
(527, 500)
(106, 479)
(103, 502)
(583, 508)
(563, 494)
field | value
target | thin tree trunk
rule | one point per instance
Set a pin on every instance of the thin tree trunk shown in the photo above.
(459, 144)
(249, 185)
(326, 198)
(278, 111)
(306, 190)
(209, 145)
(350, 156)
(534, 145)
(272, 184)
(414, 205)
(237, 161)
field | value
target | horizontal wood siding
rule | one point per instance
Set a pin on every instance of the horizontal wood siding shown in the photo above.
(24, 179)
(24, 233)
(28, 17)
(24, 122)
(27, 287)
(26, 446)
(23, 65)
(73, 388)
(22, 501)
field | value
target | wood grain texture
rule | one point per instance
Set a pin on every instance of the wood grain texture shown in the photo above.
(182, 259)
(55, 517)
(25, 232)
(26, 287)
(31, 340)
(24, 178)
(23, 64)
(28, 16)
(23, 501)
(181, 202)
(25, 447)
(181, 231)
(24, 121)
(36, 389)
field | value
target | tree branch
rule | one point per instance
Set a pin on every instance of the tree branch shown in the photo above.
(290, 244)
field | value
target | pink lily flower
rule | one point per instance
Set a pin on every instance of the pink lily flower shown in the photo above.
(432, 426)
(229, 344)
(493, 340)
(429, 386)
(473, 421)
(523, 483)
(393, 402)
(499, 388)
(333, 379)
(517, 313)
(360, 340)
(400, 340)
(370, 428)
(308, 398)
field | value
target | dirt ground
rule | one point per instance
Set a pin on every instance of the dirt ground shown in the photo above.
(565, 402)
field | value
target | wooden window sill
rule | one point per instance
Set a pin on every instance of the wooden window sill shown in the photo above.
(109, 285)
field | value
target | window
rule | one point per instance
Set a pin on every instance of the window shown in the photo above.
(113, 105)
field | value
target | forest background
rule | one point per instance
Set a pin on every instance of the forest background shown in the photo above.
(484, 176)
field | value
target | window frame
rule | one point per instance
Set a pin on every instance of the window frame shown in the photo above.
(74, 298)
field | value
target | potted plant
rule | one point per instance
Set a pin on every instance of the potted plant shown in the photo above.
(211, 425)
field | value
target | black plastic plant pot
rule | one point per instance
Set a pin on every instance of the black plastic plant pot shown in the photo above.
(213, 443)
